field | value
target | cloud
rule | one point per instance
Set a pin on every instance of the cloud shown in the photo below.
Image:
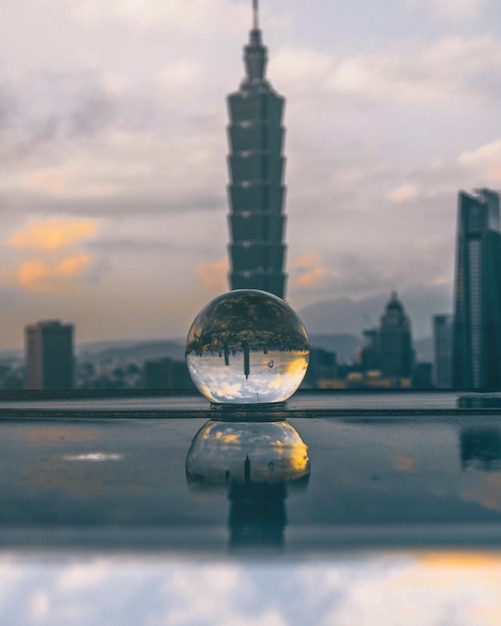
(427, 76)
(47, 105)
(307, 271)
(458, 9)
(42, 276)
(187, 16)
(485, 162)
(471, 169)
(214, 275)
(49, 180)
(52, 234)
(413, 74)
(403, 193)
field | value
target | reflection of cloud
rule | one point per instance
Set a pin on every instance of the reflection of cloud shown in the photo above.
(52, 233)
(55, 434)
(39, 604)
(220, 383)
(93, 457)
(51, 276)
(404, 463)
(79, 577)
(453, 589)
(482, 488)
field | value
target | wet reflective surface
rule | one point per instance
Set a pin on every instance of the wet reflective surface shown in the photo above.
(184, 485)
(247, 347)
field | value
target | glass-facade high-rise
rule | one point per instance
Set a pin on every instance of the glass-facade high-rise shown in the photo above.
(442, 351)
(477, 298)
(256, 167)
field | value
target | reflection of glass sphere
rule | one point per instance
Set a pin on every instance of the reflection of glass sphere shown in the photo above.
(223, 453)
(247, 347)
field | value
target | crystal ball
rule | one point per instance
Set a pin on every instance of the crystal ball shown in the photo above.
(247, 347)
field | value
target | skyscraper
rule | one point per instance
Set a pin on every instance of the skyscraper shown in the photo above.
(389, 347)
(256, 165)
(442, 351)
(395, 341)
(477, 298)
(49, 355)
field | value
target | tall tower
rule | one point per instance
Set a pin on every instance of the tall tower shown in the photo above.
(477, 298)
(256, 166)
(49, 355)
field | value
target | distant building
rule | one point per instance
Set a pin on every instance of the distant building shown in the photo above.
(322, 366)
(395, 340)
(422, 376)
(477, 297)
(256, 166)
(49, 355)
(442, 351)
(166, 373)
(370, 354)
(387, 354)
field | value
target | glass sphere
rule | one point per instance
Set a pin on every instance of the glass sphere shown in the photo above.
(247, 347)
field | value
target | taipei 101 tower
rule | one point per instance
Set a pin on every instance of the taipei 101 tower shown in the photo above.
(256, 165)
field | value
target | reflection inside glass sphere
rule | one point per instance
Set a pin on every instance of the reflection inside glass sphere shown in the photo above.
(257, 463)
(247, 347)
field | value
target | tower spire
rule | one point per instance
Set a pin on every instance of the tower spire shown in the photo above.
(255, 12)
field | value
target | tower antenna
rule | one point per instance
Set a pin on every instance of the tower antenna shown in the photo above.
(255, 11)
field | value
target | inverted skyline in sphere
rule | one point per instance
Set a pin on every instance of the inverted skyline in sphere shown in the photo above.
(256, 166)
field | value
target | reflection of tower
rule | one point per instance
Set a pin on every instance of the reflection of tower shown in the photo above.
(246, 360)
(477, 315)
(257, 514)
(256, 165)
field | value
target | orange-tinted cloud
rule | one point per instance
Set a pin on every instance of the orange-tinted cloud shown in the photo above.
(49, 180)
(52, 234)
(404, 193)
(39, 275)
(213, 276)
(441, 280)
(310, 271)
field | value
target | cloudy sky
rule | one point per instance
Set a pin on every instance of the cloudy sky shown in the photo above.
(112, 150)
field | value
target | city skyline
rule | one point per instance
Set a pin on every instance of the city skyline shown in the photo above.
(112, 120)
